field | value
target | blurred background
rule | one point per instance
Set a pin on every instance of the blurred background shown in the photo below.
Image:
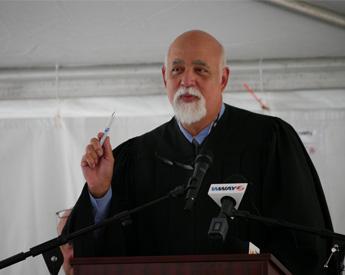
(65, 66)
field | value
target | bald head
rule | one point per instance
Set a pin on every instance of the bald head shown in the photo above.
(195, 75)
(196, 39)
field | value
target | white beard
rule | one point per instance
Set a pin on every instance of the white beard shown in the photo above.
(189, 112)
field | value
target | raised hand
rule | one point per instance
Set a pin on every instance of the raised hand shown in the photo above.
(97, 165)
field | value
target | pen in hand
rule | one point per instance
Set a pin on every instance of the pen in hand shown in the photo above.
(107, 129)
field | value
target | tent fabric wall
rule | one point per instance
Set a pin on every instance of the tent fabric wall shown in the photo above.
(42, 142)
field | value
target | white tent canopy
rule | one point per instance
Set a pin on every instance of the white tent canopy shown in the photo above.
(46, 33)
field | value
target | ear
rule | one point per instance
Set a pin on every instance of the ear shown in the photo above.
(225, 78)
(163, 75)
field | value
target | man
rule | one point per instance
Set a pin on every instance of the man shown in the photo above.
(66, 249)
(265, 150)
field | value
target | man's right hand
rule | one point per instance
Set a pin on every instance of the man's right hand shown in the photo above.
(97, 165)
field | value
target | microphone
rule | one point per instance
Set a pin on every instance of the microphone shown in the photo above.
(228, 196)
(201, 165)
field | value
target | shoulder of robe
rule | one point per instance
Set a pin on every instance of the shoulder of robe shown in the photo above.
(258, 125)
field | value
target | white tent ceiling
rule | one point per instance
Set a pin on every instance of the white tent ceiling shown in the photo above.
(45, 33)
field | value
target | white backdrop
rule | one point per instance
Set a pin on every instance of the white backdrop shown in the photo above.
(42, 142)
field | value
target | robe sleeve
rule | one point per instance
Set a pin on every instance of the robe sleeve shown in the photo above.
(110, 240)
(292, 192)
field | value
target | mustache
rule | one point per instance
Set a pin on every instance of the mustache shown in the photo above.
(187, 91)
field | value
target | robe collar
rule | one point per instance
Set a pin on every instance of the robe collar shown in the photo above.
(204, 132)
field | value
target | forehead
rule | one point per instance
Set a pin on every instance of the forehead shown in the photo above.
(179, 61)
(194, 57)
(194, 53)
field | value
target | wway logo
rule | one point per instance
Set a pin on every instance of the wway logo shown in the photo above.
(233, 187)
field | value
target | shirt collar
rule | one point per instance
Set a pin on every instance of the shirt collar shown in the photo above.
(204, 132)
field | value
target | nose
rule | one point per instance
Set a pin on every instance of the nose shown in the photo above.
(188, 79)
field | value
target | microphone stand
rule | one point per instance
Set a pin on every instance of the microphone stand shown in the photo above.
(62, 239)
(311, 230)
(176, 192)
(319, 232)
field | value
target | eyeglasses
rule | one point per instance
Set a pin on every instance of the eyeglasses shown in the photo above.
(64, 213)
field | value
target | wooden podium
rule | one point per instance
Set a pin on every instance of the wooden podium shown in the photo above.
(237, 264)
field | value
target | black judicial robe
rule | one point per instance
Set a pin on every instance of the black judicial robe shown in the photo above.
(263, 149)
